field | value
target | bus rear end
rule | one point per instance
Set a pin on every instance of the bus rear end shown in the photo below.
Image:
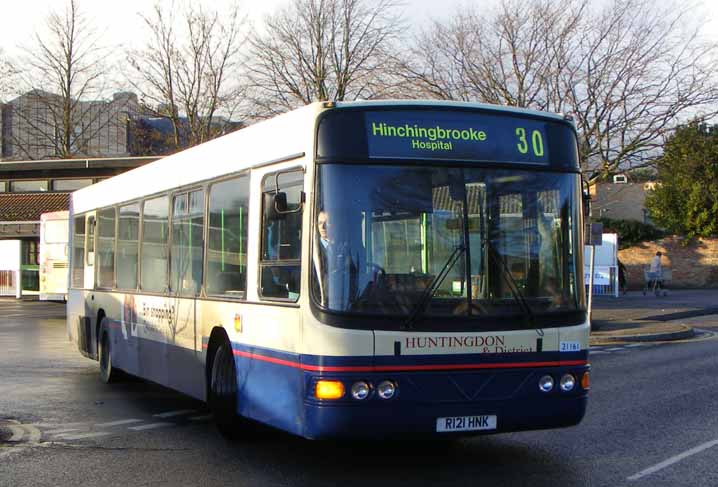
(446, 281)
(53, 256)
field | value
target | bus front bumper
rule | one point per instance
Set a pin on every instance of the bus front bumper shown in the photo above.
(512, 399)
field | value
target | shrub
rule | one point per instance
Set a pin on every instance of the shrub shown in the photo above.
(631, 232)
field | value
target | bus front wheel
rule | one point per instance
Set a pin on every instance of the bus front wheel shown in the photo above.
(223, 391)
(108, 373)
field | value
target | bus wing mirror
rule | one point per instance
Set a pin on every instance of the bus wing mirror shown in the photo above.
(280, 206)
(280, 202)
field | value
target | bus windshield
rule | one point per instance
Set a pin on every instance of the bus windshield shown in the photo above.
(506, 240)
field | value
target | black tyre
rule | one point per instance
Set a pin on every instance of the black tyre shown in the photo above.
(108, 373)
(223, 391)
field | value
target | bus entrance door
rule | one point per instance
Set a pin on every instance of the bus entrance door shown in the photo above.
(89, 252)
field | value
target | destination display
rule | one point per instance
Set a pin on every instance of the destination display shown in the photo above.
(456, 136)
(418, 134)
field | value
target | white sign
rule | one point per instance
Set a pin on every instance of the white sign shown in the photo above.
(601, 275)
(10, 255)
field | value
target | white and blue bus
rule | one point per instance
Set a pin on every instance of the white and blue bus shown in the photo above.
(348, 270)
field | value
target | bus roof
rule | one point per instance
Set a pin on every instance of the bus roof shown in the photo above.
(452, 104)
(282, 136)
(55, 215)
(286, 135)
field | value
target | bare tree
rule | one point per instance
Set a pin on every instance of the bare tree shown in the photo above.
(61, 71)
(7, 74)
(189, 70)
(627, 72)
(508, 57)
(642, 71)
(314, 50)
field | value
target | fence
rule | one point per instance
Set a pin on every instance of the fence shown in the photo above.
(8, 286)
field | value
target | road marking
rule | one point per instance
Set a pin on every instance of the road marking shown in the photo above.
(61, 430)
(117, 423)
(674, 459)
(17, 433)
(150, 426)
(614, 349)
(56, 425)
(172, 414)
(83, 435)
(594, 352)
(35, 433)
(634, 345)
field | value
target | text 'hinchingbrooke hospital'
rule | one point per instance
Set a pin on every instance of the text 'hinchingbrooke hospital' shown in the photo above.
(439, 138)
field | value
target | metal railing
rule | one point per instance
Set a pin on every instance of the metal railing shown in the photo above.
(8, 286)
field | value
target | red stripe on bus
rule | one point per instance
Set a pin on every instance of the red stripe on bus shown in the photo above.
(399, 368)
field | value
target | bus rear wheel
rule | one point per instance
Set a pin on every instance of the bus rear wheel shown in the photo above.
(108, 373)
(223, 391)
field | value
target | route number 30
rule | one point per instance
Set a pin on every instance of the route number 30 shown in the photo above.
(536, 142)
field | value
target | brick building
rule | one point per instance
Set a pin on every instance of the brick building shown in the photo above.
(31, 127)
(622, 200)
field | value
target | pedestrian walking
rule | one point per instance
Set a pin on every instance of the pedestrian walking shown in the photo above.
(622, 282)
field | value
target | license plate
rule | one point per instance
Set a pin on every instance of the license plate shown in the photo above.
(466, 423)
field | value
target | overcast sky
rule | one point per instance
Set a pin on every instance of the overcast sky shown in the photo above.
(120, 25)
(120, 19)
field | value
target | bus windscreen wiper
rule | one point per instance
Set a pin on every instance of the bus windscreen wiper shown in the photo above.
(513, 287)
(433, 286)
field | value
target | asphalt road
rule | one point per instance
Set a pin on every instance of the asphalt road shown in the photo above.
(651, 421)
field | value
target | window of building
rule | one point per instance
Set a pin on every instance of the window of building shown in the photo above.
(70, 184)
(128, 241)
(155, 226)
(30, 252)
(227, 244)
(78, 252)
(281, 237)
(28, 186)
(106, 248)
(3, 186)
(186, 257)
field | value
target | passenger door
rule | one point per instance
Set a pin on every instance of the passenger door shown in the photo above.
(89, 251)
(186, 266)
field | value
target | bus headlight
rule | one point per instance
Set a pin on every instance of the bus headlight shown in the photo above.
(360, 390)
(386, 389)
(546, 383)
(568, 382)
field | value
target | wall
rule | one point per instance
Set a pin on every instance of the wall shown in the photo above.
(9, 255)
(625, 201)
(694, 265)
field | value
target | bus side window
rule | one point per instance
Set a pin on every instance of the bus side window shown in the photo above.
(128, 234)
(155, 225)
(281, 238)
(78, 252)
(187, 243)
(106, 248)
(90, 245)
(227, 241)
